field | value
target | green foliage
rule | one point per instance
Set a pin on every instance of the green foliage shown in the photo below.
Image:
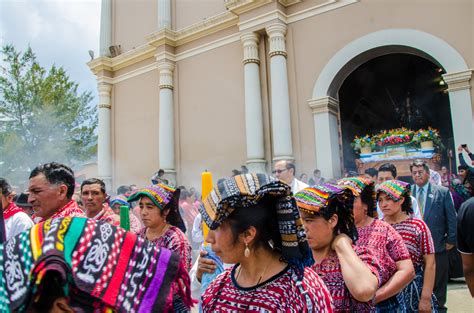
(43, 117)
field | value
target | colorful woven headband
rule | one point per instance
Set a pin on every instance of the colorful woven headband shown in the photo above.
(395, 189)
(247, 190)
(160, 194)
(121, 200)
(101, 267)
(316, 198)
(355, 184)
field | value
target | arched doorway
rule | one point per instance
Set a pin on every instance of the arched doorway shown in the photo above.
(391, 91)
(324, 101)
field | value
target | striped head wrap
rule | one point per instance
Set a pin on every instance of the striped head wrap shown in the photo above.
(121, 200)
(248, 190)
(314, 199)
(395, 189)
(357, 185)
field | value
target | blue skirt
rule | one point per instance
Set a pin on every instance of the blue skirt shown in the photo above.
(409, 297)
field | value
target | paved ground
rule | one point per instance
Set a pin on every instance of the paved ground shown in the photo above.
(459, 298)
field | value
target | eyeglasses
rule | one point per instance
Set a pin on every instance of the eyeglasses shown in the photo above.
(279, 171)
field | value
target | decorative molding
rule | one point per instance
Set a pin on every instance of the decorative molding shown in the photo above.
(105, 90)
(319, 9)
(105, 106)
(241, 6)
(250, 43)
(166, 69)
(276, 37)
(262, 20)
(459, 80)
(287, 3)
(208, 46)
(324, 105)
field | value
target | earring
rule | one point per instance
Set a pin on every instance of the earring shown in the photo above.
(247, 250)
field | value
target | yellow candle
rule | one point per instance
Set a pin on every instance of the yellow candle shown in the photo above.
(206, 188)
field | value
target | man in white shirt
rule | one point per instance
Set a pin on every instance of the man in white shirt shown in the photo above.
(285, 171)
(388, 171)
(16, 221)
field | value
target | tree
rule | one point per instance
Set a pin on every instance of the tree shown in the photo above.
(43, 117)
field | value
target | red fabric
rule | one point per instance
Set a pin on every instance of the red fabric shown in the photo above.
(417, 238)
(71, 209)
(386, 244)
(175, 240)
(330, 272)
(11, 210)
(278, 294)
(107, 215)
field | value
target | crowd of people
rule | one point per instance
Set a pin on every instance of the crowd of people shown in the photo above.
(257, 243)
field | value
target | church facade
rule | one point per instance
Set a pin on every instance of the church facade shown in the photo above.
(211, 85)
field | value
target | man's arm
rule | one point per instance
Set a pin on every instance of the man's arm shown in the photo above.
(450, 215)
(468, 267)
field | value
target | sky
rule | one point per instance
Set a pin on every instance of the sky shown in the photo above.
(60, 32)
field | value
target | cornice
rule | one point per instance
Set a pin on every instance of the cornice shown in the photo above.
(241, 6)
(126, 59)
(459, 80)
(287, 3)
(324, 105)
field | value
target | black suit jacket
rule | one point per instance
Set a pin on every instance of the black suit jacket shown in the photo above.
(439, 215)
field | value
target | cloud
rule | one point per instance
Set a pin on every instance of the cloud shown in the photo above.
(59, 31)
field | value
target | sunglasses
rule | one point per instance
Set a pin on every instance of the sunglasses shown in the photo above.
(279, 171)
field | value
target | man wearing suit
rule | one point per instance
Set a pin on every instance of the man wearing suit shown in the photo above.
(437, 209)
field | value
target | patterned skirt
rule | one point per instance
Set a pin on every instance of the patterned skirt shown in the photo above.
(390, 305)
(409, 297)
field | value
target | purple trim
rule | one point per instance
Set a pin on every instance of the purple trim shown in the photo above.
(153, 289)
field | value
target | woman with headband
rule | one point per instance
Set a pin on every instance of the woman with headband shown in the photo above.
(254, 223)
(384, 241)
(394, 201)
(350, 272)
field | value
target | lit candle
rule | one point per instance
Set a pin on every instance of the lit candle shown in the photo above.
(206, 188)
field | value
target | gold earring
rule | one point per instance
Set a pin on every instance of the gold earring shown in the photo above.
(247, 250)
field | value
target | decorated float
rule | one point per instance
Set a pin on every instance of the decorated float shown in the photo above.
(398, 146)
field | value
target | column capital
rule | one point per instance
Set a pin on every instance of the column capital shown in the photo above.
(458, 80)
(276, 37)
(250, 42)
(166, 69)
(104, 90)
(324, 105)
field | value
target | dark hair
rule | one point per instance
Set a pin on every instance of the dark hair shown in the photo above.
(419, 163)
(290, 165)
(373, 172)
(261, 216)
(56, 173)
(388, 167)
(367, 197)
(5, 187)
(407, 205)
(184, 194)
(50, 289)
(463, 167)
(160, 172)
(92, 181)
(174, 217)
(123, 189)
(316, 171)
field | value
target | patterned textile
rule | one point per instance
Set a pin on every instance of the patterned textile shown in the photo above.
(278, 294)
(313, 199)
(104, 267)
(120, 200)
(71, 209)
(11, 210)
(160, 194)
(247, 190)
(330, 272)
(409, 297)
(395, 189)
(386, 244)
(357, 186)
(175, 240)
(108, 216)
(417, 237)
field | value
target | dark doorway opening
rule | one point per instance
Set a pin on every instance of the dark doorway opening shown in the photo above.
(391, 91)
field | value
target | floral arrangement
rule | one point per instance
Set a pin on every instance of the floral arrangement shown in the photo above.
(429, 134)
(360, 142)
(398, 136)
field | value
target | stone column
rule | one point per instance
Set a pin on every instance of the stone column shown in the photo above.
(164, 14)
(105, 27)
(280, 100)
(166, 121)
(253, 105)
(104, 144)
(459, 88)
(326, 130)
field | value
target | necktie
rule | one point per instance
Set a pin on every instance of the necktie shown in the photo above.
(421, 202)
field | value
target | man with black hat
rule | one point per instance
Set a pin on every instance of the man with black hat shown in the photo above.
(16, 221)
